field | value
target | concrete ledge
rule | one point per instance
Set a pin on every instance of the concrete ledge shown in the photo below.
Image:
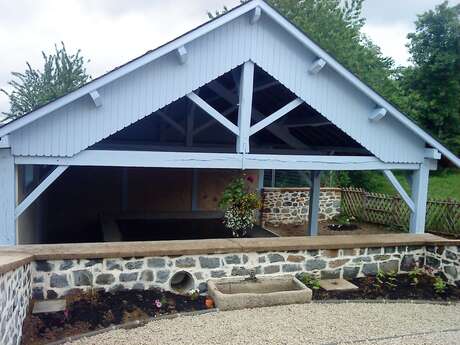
(13, 257)
(11, 261)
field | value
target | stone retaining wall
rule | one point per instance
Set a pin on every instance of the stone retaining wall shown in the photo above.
(58, 278)
(290, 205)
(15, 293)
(445, 260)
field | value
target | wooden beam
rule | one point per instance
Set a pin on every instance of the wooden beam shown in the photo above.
(278, 131)
(195, 182)
(275, 116)
(245, 106)
(190, 126)
(216, 160)
(96, 97)
(420, 179)
(213, 112)
(182, 54)
(394, 181)
(5, 142)
(255, 16)
(432, 154)
(377, 114)
(317, 66)
(212, 121)
(313, 214)
(170, 121)
(39, 190)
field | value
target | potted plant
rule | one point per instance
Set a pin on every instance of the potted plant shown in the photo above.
(239, 206)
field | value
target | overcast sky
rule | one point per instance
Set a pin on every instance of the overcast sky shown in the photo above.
(110, 32)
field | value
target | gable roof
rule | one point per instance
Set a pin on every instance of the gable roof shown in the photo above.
(206, 28)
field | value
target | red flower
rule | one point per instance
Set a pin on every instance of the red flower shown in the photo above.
(250, 179)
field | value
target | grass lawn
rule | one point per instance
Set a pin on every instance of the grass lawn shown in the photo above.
(443, 185)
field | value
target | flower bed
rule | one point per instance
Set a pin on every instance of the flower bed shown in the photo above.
(412, 286)
(99, 309)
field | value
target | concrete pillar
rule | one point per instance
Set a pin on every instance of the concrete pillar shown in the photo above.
(419, 197)
(314, 203)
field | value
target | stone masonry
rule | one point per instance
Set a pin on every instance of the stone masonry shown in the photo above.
(57, 278)
(15, 293)
(290, 205)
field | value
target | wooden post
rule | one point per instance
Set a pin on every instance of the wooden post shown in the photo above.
(194, 190)
(419, 197)
(313, 212)
(245, 108)
(8, 184)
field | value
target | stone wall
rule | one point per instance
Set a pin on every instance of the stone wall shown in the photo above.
(445, 260)
(15, 292)
(290, 205)
(58, 278)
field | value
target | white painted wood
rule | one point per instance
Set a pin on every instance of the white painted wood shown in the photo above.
(173, 123)
(7, 198)
(432, 154)
(245, 106)
(216, 160)
(377, 114)
(318, 51)
(276, 130)
(39, 190)
(394, 181)
(182, 54)
(212, 122)
(96, 97)
(248, 48)
(256, 15)
(5, 142)
(129, 67)
(420, 179)
(275, 116)
(313, 215)
(213, 112)
(317, 66)
(261, 180)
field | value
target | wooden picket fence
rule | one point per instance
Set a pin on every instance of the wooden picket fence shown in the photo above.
(443, 216)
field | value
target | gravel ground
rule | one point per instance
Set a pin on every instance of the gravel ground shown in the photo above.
(316, 324)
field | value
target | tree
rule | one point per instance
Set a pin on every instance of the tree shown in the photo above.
(432, 84)
(62, 73)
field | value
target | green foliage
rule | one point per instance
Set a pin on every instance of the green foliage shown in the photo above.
(62, 73)
(309, 280)
(343, 219)
(415, 275)
(432, 85)
(439, 285)
(386, 280)
(239, 205)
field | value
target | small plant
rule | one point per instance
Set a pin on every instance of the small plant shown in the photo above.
(391, 280)
(239, 205)
(439, 285)
(386, 280)
(415, 275)
(309, 280)
(194, 294)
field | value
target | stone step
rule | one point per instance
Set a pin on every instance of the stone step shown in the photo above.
(337, 285)
(49, 306)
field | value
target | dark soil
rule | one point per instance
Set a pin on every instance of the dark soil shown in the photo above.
(404, 288)
(89, 312)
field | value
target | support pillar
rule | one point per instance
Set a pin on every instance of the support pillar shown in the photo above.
(314, 203)
(419, 197)
(7, 198)
(245, 107)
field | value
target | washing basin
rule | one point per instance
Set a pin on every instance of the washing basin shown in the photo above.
(239, 293)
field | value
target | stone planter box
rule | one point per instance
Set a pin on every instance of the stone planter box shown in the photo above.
(238, 293)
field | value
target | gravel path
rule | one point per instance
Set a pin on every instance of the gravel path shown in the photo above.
(316, 324)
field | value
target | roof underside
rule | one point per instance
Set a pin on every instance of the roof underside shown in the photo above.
(335, 114)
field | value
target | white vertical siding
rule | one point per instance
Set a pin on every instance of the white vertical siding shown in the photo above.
(7, 198)
(75, 127)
